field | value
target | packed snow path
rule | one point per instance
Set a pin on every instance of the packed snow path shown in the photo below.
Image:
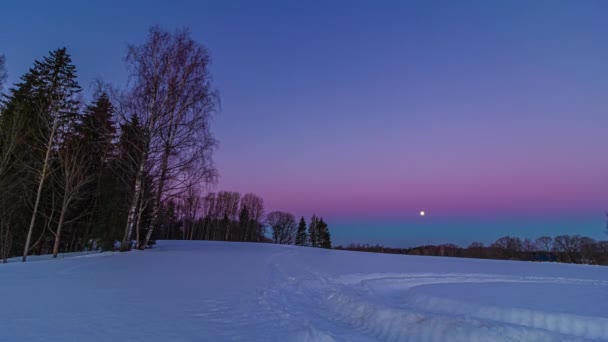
(216, 291)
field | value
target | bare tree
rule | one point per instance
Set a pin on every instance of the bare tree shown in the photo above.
(587, 250)
(568, 247)
(190, 204)
(72, 178)
(544, 244)
(528, 246)
(476, 249)
(172, 95)
(509, 246)
(283, 227)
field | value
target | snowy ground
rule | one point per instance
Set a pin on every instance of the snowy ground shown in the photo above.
(214, 291)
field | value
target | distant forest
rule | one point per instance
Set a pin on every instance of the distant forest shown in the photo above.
(131, 165)
(574, 249)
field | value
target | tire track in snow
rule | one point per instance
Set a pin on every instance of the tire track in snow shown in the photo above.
(405, 285)
(318, 300)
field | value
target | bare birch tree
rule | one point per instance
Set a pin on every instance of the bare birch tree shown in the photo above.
(172, 94)
(72, 178)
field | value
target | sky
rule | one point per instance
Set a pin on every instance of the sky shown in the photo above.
(490, 116)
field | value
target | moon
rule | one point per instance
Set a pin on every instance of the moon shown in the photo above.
(422, 213)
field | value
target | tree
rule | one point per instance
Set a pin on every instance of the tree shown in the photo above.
(190, 207)
(47, 96)
(100, 203)
(313, 231)
(3, 74)
(283, 227)
(131, 169)
(72, 178)
(528, 246)
(244, 221)
(173, 96)
(475, 250)
(254, 228)
(568, 247)
(301, 236)
(509, 246)
(587, 250)
(12, 131)
(324, 240)
(544, 243)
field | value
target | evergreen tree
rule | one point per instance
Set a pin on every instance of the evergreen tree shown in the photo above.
(45, 104)
(3, 74)
(98, 129)
(324, 235)
(97, 134)
(313, 231)
(244, 222)
(301, 236)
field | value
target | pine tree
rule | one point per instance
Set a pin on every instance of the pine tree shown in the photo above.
(324, 235)
(301, 236)
(244, 223)
(97, 134)
(98, 129)
(313, 231)
(3, 74)
(46, 102)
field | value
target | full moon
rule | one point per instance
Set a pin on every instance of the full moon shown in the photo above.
(422, 213)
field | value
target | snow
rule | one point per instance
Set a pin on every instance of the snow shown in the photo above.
(217, 291)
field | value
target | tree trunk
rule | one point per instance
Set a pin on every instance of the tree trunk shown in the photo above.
(159, 193)
(138, 225)
(126, 240)
(47, 156)
(59, 226)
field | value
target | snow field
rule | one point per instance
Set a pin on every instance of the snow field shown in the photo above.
(199, 291)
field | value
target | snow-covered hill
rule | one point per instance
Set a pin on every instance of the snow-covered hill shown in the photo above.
(215, 291)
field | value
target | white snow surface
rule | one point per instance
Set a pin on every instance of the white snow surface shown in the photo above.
(221, 291)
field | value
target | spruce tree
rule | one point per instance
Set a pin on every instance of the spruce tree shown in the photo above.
(45, 102)
(244, 223)
(98, 129)
(301, 236)
(3, 73)
(97, 133)
(324, 235)
(313, 231)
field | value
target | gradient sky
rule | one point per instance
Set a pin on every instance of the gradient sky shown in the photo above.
(491, 116)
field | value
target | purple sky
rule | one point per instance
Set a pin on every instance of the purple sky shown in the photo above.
(469, 110)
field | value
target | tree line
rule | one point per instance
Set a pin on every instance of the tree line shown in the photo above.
(228, 216)
(127, 167)
(77, 174)
(563, 248)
